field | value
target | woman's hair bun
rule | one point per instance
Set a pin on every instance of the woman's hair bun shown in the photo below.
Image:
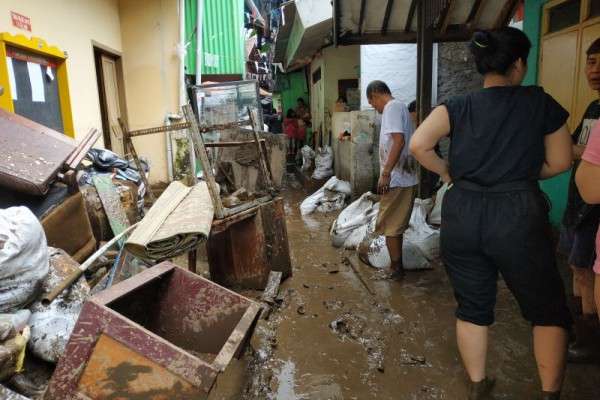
(483, 43)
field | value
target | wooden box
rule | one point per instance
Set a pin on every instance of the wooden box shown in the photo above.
(163, 334)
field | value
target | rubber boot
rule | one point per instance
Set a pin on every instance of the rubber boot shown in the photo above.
(481, 390)
(550, 395)
(586, 348)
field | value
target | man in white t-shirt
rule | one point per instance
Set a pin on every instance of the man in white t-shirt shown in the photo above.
(398, 177)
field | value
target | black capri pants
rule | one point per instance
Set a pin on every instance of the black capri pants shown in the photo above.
(503, 229)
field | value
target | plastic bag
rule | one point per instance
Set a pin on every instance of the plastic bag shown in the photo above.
(23, 258)
(435, 217)
(307, 155)
(323, 163)
(51, 326)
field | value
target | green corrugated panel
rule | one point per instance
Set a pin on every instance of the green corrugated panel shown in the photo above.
(191, 13)
(222, 37)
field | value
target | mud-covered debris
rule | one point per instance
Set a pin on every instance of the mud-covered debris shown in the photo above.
(334, 271)
(412, 360)
(304, 285)
(301, 309)
(333, 305)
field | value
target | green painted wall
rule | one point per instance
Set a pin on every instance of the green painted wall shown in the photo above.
(222, 37)
(556, 188)
(294, 85)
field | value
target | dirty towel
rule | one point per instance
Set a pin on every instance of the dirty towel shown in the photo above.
(23, 258)
(178, 222)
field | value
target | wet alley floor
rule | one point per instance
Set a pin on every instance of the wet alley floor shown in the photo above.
(331, 339)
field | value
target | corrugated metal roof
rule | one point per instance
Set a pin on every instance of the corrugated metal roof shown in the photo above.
(222, 37)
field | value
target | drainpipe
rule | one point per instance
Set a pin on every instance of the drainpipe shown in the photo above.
(181, 50)
(199, 18)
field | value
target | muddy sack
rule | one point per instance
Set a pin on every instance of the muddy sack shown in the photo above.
(307, 155)
(23, 258)
(323, 163)
(352, 225)
(374, 252)
(51, 325)
(419, 233)
(330, 197)
(435, 217)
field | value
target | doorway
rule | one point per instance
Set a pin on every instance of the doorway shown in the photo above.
(109, 74)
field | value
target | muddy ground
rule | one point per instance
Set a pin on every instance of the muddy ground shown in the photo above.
(331, 339)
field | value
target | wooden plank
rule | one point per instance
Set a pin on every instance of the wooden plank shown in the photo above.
(506, 14)
(272, 289)
(221, 225)
(475, 14)
(386, 17)
(411, 15)
(111, 201)
(129, 147)
(261, 156)
(361, 18)
(362, 280)
(246, 206)
(201, 155)
(445, 16)
(232, 144)
(160, 129)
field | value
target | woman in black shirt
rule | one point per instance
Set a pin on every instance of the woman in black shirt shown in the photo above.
(495, 218)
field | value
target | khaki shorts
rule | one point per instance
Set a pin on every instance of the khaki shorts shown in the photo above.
(395, 208)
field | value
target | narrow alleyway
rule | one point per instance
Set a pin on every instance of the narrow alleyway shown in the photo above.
(333, 340)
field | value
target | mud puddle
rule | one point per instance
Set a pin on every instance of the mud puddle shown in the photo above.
(331, 339)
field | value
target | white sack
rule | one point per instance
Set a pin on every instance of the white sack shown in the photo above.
(435, 218)
(323, 163)
(51, 326)
(307, 155)
(331, 196)
(23, 258)
(353, 222)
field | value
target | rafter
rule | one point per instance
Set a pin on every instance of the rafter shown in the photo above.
(411, 15)
(361, 18)
(506, 14)
(386, 17)
(445, 16)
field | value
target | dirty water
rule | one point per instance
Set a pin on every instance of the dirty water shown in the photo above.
(329, 339)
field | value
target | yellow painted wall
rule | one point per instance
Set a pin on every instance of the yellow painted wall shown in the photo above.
(72, 25)
(150, 34)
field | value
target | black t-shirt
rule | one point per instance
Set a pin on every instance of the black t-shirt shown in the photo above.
(497, 134)
(577, 210)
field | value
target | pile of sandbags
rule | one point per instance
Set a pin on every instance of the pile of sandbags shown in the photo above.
(354, 229)
(330, 197)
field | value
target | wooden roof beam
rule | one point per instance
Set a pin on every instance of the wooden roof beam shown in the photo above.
(361, 18)
(475, 14)
(507, 13)
(445, 16)
(411, 15)
(386, 17)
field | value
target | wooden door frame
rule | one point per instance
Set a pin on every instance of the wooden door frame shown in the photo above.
(99, 51)
(585, 20)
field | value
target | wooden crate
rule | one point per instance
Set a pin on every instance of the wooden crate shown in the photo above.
(163, 334)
